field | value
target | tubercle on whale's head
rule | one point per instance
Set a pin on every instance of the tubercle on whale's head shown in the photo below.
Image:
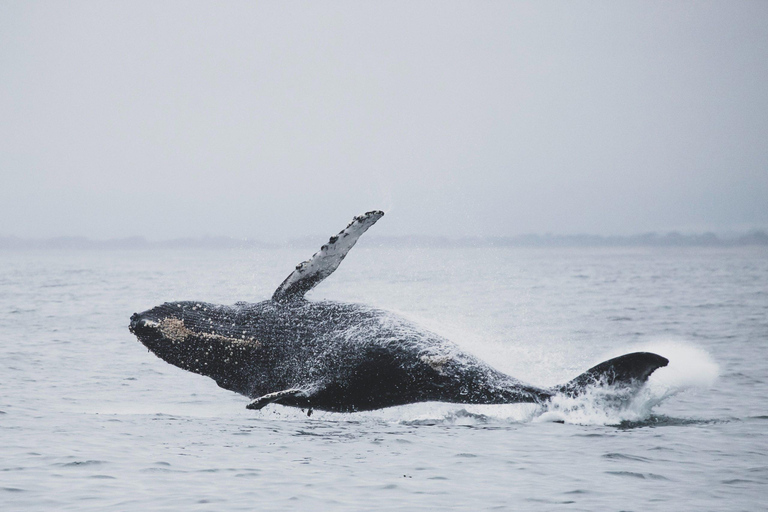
(198, 337)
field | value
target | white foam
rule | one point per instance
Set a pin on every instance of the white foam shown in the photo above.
(689, 367)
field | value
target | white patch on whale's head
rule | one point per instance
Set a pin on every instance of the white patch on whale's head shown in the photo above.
(199, 338)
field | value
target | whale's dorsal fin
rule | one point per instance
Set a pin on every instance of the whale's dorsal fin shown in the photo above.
(309, 273)
(627, 370)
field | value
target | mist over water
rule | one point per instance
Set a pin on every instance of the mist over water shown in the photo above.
(89, 416)
(268, 120)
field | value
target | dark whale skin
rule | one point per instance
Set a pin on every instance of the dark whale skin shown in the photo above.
(343, 357)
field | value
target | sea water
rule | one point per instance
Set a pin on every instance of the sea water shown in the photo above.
(90, 420)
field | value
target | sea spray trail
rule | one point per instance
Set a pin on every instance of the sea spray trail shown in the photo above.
(689, 367)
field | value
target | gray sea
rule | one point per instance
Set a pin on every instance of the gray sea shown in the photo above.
(90, 420)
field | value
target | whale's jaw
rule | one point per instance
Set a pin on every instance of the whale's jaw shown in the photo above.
(186, 336)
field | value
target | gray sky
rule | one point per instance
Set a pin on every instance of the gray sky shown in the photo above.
(282, 119)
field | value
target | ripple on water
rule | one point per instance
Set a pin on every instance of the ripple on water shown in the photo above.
(160, 470)
(642, 476)
(80, 463)
(305, 433)
(739, 481)
(666, 421)
(624, 456)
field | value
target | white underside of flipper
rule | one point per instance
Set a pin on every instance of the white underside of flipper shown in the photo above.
(311, 272)
(267, 399)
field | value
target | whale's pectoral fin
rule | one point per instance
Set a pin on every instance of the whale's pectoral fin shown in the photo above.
(325, 261)
(628, 370)
(269, 398)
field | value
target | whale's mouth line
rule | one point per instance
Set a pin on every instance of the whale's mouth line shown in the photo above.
(174, 330)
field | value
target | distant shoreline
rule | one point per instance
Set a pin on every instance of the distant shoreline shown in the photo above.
(673, 239)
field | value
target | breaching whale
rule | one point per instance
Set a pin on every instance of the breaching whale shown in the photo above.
(343, 357)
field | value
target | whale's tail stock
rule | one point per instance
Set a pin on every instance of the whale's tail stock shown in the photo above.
(629, 371)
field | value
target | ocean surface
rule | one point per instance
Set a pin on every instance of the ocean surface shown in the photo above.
(90, 420)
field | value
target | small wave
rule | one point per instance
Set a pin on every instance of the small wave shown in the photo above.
(665, 421)
(643, 476)
(81, 463)
(625, 456)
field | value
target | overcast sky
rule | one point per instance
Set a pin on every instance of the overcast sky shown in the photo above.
(283, 119)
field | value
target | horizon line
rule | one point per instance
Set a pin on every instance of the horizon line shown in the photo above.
(648, 239)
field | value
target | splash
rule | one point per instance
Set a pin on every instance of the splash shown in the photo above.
(689, 367)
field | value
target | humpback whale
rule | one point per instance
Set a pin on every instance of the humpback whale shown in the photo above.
(342, 357)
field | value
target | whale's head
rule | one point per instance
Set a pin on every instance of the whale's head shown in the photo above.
(203, 338)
